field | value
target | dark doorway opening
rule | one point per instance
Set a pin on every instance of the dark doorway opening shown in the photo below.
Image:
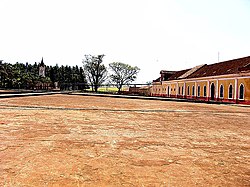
(212, 91)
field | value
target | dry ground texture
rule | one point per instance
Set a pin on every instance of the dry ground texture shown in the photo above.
(67, 140)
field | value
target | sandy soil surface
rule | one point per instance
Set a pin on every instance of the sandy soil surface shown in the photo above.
(63, 140)
(4, 91)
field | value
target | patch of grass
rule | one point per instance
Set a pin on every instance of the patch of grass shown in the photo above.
(109, 89)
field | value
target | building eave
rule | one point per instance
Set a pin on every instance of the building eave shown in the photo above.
(239, 75)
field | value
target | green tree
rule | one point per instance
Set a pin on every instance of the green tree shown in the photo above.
(26, 76)
(6, 71)
(122, 74)
(95, 70)
(82, 79)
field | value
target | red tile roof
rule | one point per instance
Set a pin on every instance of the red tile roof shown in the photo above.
(222, 68)
(178, 74)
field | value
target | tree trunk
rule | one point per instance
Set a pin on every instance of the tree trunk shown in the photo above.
(96, 88)
(119, 89)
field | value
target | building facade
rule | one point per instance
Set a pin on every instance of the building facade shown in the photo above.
(227, 81)
(42, 69)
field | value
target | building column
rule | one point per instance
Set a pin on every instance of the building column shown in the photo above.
(195, 90)
(184, 89)
(236, 90)
(177, 90)
(208, 90)
(217, 90)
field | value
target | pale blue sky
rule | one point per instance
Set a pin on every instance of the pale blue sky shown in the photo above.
(151, 34)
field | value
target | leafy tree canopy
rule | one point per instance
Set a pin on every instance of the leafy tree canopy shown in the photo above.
(95, 70)
(122, 74)
(26, 76)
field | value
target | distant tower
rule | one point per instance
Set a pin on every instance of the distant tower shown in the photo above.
(42, 68)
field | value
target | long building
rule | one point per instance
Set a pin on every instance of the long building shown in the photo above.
(227, 81)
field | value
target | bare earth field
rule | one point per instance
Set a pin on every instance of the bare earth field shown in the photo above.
(67, 140)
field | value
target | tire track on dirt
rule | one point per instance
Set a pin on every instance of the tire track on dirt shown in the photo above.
(26, 107)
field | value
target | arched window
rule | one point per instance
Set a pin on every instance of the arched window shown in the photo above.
(221, 91)
(230, 92)
(179, 91)
(182, 90)
(199, 91)
(205, 91)
(241, 96)
(188, 91)
(193, 91)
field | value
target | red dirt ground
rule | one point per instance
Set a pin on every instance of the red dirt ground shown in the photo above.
(63, 140)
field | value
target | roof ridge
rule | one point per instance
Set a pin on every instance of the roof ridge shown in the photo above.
(191, 71)
(229, 60)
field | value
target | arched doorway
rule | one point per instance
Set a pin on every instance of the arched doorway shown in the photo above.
(241, 96)
(212, 91)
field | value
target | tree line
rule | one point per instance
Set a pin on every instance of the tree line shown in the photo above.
(26, 76)
(92, 74)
